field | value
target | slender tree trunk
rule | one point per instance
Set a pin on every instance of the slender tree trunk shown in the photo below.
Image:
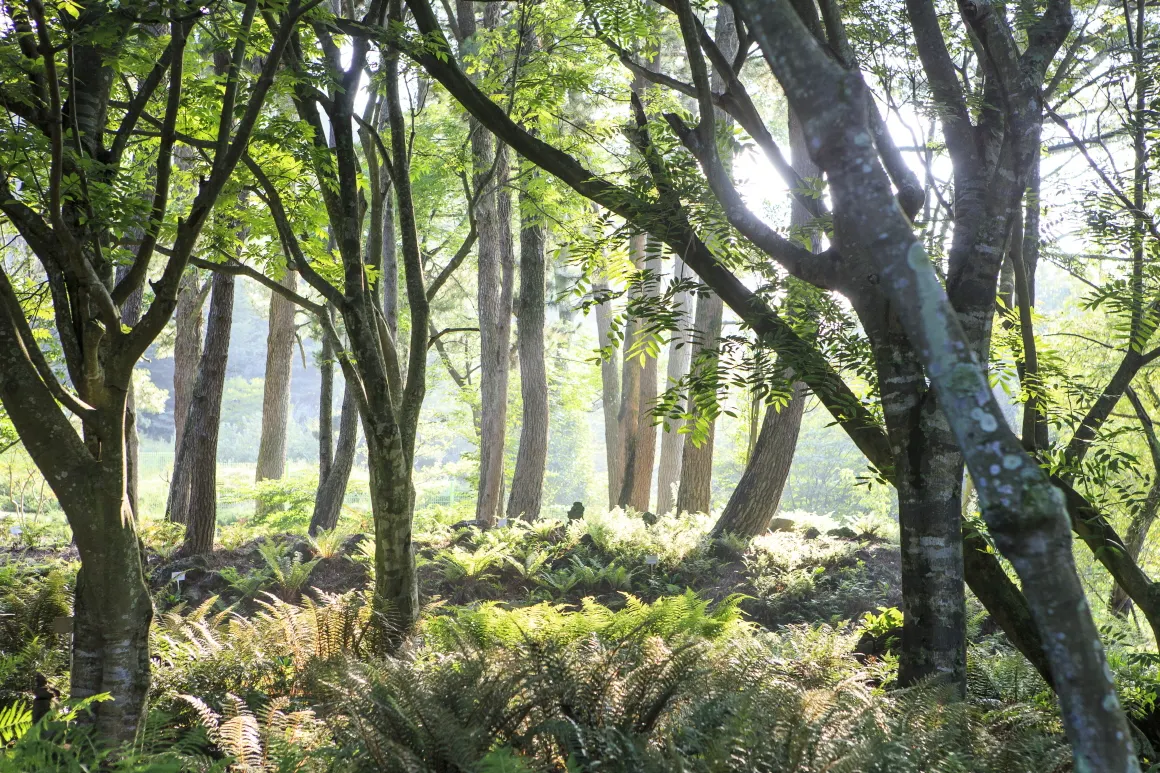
(494, 317)
(131, 315)
(194, 487)
(755, 501)
(610, 397)
(276, 394)
(1137, 534)
(695, 492)
(325, 410)
(186, 349)
(673, 442)
(390, 276)
(532, 457)
(332, 487)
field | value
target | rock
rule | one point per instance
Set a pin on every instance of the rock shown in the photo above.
(351, 544)
(782, 524)
(811, 533)
(648, 518)
(576, 512)
(843, 532)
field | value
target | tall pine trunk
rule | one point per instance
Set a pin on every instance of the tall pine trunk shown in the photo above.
(193, 492)
(532, 457)
(276, 390)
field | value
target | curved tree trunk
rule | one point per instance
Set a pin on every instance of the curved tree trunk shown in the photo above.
(276, 390)
(755, 501)
(131, 315)
(673, 442)
(332, 487)
(532, 457)
(193, 493)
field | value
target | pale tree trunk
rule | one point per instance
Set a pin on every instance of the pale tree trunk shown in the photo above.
(610, 396)
(186, 348)
(755, 501)
(332, 486)
(131, 315)
(638, 396)
(193, 493)
(276, 392)
(532, 457)
(673, 442)
(695, 492)
(494, 318)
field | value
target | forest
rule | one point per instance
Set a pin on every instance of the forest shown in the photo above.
(548, 386)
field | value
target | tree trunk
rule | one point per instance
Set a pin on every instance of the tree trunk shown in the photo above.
(325, 409)
(131, 315)
(276, 393)
(755, 501)
(638, 396)
(112, 611)
(610, 396)
(532, 457)
(673, 442)
(193, 493)
(695, 492)
(186, 349)
(332, 487)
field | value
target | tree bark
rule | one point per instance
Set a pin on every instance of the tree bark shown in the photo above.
(131, 315)
(754, 503)
(332, 487)
(193, 493)
(532, 456)
(276, 391)
(673, 442)
(638, 434)
(325, 409)
(695, 492)
(186, 348)
(610, 396)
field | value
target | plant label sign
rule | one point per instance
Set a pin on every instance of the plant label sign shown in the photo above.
(178, 576)
(62, 624)
(502, 523)
(15, 531)
(651, 560)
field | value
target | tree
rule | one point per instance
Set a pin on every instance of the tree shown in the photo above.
(193, 488)
(929, 337)
(69, 198)
(276, 389)
(672, 442)
(531, 310)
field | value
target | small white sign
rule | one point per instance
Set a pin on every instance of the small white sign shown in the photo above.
(651, 560)
(15, 531)
(502, 523)
(178, 576)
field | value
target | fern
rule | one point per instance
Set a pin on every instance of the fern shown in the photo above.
(15, 719)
